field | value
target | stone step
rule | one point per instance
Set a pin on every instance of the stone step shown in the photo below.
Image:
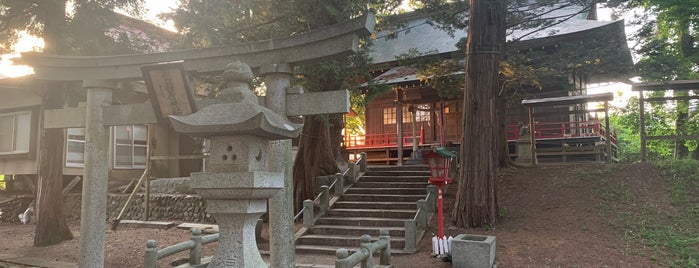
(330, 250)
(361, 221)
(388, 179)
(343, 241)
(388, 173)
(375, 205)
(382, 197)
(394, 184)
(398, 168)
(379, 213)
(356, 231)
(400, 191)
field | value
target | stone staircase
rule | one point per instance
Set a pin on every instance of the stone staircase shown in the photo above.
(384, 197)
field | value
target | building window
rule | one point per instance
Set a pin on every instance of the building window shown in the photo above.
(75, 147)
(389, 115)
(451, 108)
(422, 114)
(15, 132)
(130, 146)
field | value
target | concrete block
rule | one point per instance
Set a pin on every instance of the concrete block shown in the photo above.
(205, 228)
(473, 251)
(147, 224)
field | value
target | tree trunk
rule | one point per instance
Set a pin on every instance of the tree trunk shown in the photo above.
(681, 150)
(51, 227)
(336, 125)
(476, 197)
(314, 158)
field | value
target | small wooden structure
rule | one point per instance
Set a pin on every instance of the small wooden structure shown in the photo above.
(574, 129)
(676, 85)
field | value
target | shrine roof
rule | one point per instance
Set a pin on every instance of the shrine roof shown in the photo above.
(419, 34)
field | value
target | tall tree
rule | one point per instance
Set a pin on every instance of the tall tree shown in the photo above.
(476, 197)
(82, 29)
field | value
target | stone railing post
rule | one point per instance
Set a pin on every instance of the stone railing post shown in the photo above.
(365, 244)
(385, 257)
(339, 184)
(150, 257)
(324, 198)
(353, 173)
(308, 213)
(342, 254)
(410, 236)
(195, 252)
(421, 213)
(432, 198)
(362, 162)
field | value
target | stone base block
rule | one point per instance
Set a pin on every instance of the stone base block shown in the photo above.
(473, 251)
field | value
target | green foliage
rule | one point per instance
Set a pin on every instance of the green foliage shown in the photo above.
(667, 37)
(661, 120)
(80, 31)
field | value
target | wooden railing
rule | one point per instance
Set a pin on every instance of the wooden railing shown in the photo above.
(550, 130)
(386, 139)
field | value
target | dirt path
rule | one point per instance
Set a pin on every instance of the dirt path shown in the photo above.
(551, 216)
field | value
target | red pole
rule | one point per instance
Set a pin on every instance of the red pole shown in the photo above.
(440, 216)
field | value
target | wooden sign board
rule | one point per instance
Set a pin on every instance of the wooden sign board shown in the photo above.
(169, 89)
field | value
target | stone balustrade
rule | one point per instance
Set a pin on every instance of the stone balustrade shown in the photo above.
(365, 254)
(153, 254)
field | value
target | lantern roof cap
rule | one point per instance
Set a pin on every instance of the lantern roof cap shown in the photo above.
(440, 151)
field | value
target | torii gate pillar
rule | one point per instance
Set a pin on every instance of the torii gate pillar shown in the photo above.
(96, 173)
(277, 78)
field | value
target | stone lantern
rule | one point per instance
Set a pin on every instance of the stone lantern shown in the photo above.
(236, 185)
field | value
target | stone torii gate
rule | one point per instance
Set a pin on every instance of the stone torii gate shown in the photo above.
(272, 58)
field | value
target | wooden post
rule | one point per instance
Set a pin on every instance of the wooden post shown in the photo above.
(607, 133)
(532, 132)
(642, 113)
(146, 199)
(415, 142)
(399, 124)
